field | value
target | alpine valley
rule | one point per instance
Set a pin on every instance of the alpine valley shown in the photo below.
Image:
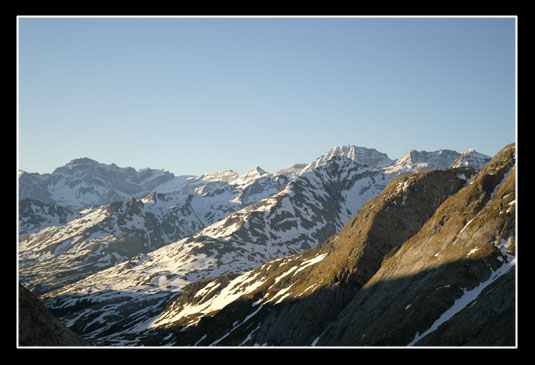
(351, 249)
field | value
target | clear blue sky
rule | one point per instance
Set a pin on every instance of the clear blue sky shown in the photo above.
(196, 95)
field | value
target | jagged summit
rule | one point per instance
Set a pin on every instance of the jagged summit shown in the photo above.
(293, 170)
(471, 158)
(227, 175)
(436, 158)
(362, 155)
(256, 170)
(253, 174)
(233, 178)
(84, 182)
(414, 161)
(77, 162)
(85, 163)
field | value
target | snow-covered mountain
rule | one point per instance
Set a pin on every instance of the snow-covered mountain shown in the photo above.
(35, 215)
(83, 183)
(113, 233)
(99, 238)
(415, 161)
(87, 184)
(110, 272)
(427, 262)
(314, 206)
(365, 156)
(382, 221)
(471, 158)
(308, 210)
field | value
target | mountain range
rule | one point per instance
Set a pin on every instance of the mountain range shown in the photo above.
(126, 257)
(428, 261)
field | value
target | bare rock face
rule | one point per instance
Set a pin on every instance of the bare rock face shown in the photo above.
(38, 327)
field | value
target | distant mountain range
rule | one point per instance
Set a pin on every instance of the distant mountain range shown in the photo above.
(293, 210)
(126, 257)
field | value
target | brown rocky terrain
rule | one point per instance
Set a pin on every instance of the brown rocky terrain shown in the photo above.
(471, 236)
(38, 327)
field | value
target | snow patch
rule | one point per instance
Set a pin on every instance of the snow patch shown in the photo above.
(236, 326)
(472, 251)
(467, 297)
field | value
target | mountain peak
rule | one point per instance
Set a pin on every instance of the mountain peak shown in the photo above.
(256, 170)
(424, 156)
(366, 156)
(251, 175)
(292, 171)
(227, 175)
(471, 158)
(414, 161)
(81, 161)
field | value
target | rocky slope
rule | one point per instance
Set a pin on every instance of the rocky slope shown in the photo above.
(34, 215)
(429, 261)
(113, 233)
(466, 246)
(328, 276)
(38, 327)
(135, 256)
(308, 210)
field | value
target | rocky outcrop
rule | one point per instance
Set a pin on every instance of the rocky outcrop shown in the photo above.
(487, 321)
(35, 215)
(38, 327)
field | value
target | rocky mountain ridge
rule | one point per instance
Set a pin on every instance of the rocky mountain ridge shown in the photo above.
(79, 244)
(84, 182)
(34, 215)
(308, 210)
(369, 286)
(340, 265)
(471, 158)
(96, 238)
(270, 216)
